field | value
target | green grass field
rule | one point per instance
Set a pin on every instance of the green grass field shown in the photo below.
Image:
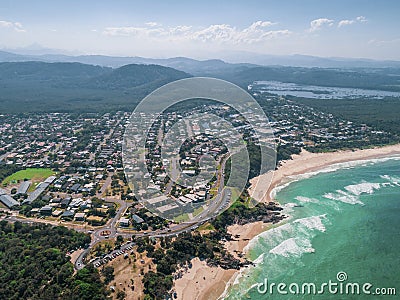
(206, 226)
(35, 175)
(198, 211)
(181, 218)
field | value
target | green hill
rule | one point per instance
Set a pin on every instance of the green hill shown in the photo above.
(58, 87)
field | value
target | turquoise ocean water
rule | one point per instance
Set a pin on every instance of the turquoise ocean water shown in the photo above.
(345, 219)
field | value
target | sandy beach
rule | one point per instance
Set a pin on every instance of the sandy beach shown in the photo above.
(307, 162)
(192, 285)
(202, 281)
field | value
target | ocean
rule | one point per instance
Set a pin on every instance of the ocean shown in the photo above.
(340, 241)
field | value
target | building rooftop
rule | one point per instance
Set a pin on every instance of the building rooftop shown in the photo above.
(137, 219)
(67, 213)
(8, 201)
(80, 215)
(23, 188)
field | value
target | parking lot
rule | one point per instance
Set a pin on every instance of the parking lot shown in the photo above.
(97, 262)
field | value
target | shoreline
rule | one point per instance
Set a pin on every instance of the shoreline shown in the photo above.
(303, 163)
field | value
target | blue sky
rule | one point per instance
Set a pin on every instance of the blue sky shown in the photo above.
(205, 29)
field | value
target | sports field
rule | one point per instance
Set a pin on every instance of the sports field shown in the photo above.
(34, 174)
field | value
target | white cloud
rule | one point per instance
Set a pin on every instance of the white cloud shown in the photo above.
(384, 42)
(345, 22)
(135, 31)
(317, 24)
(361, 19)
(221, 33)
(152, 24)
(6, 24)
(12, 25)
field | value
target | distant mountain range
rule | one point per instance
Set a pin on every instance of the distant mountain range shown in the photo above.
(204, 67)
(192, 66)
(298, 60)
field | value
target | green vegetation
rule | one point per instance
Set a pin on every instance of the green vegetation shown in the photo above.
(381, 114)
(108, 273)
(206, 226)
(7, 170)
(156, 286)
(284, 152)
(181, 218)
(198, 211)
(235, 194)
(75, 87)
(35, 174)
(241, 213)
(382, 79)
(34, 265)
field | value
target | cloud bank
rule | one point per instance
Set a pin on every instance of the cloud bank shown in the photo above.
(16, 26)
(222, 33)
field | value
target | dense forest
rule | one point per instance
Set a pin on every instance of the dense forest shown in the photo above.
(34, 264)
(75, 87)
(7, 170)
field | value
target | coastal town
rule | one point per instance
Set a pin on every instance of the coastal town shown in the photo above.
(199, 150)
(70, 170)
(83, 158)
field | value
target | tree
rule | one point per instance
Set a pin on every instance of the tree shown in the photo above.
(34, 255)
(120, 239)
(108, 273)
(121, 295)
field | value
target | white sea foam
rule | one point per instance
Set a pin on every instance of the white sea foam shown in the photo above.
(278, 188)
(314, 222)
(392, 179)
(343, 197)
(234, 280)
(306, 199)
(259, 259)
(293, 247)
(288, 207)
(362, 188)
(332, 168)
(270, 235)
